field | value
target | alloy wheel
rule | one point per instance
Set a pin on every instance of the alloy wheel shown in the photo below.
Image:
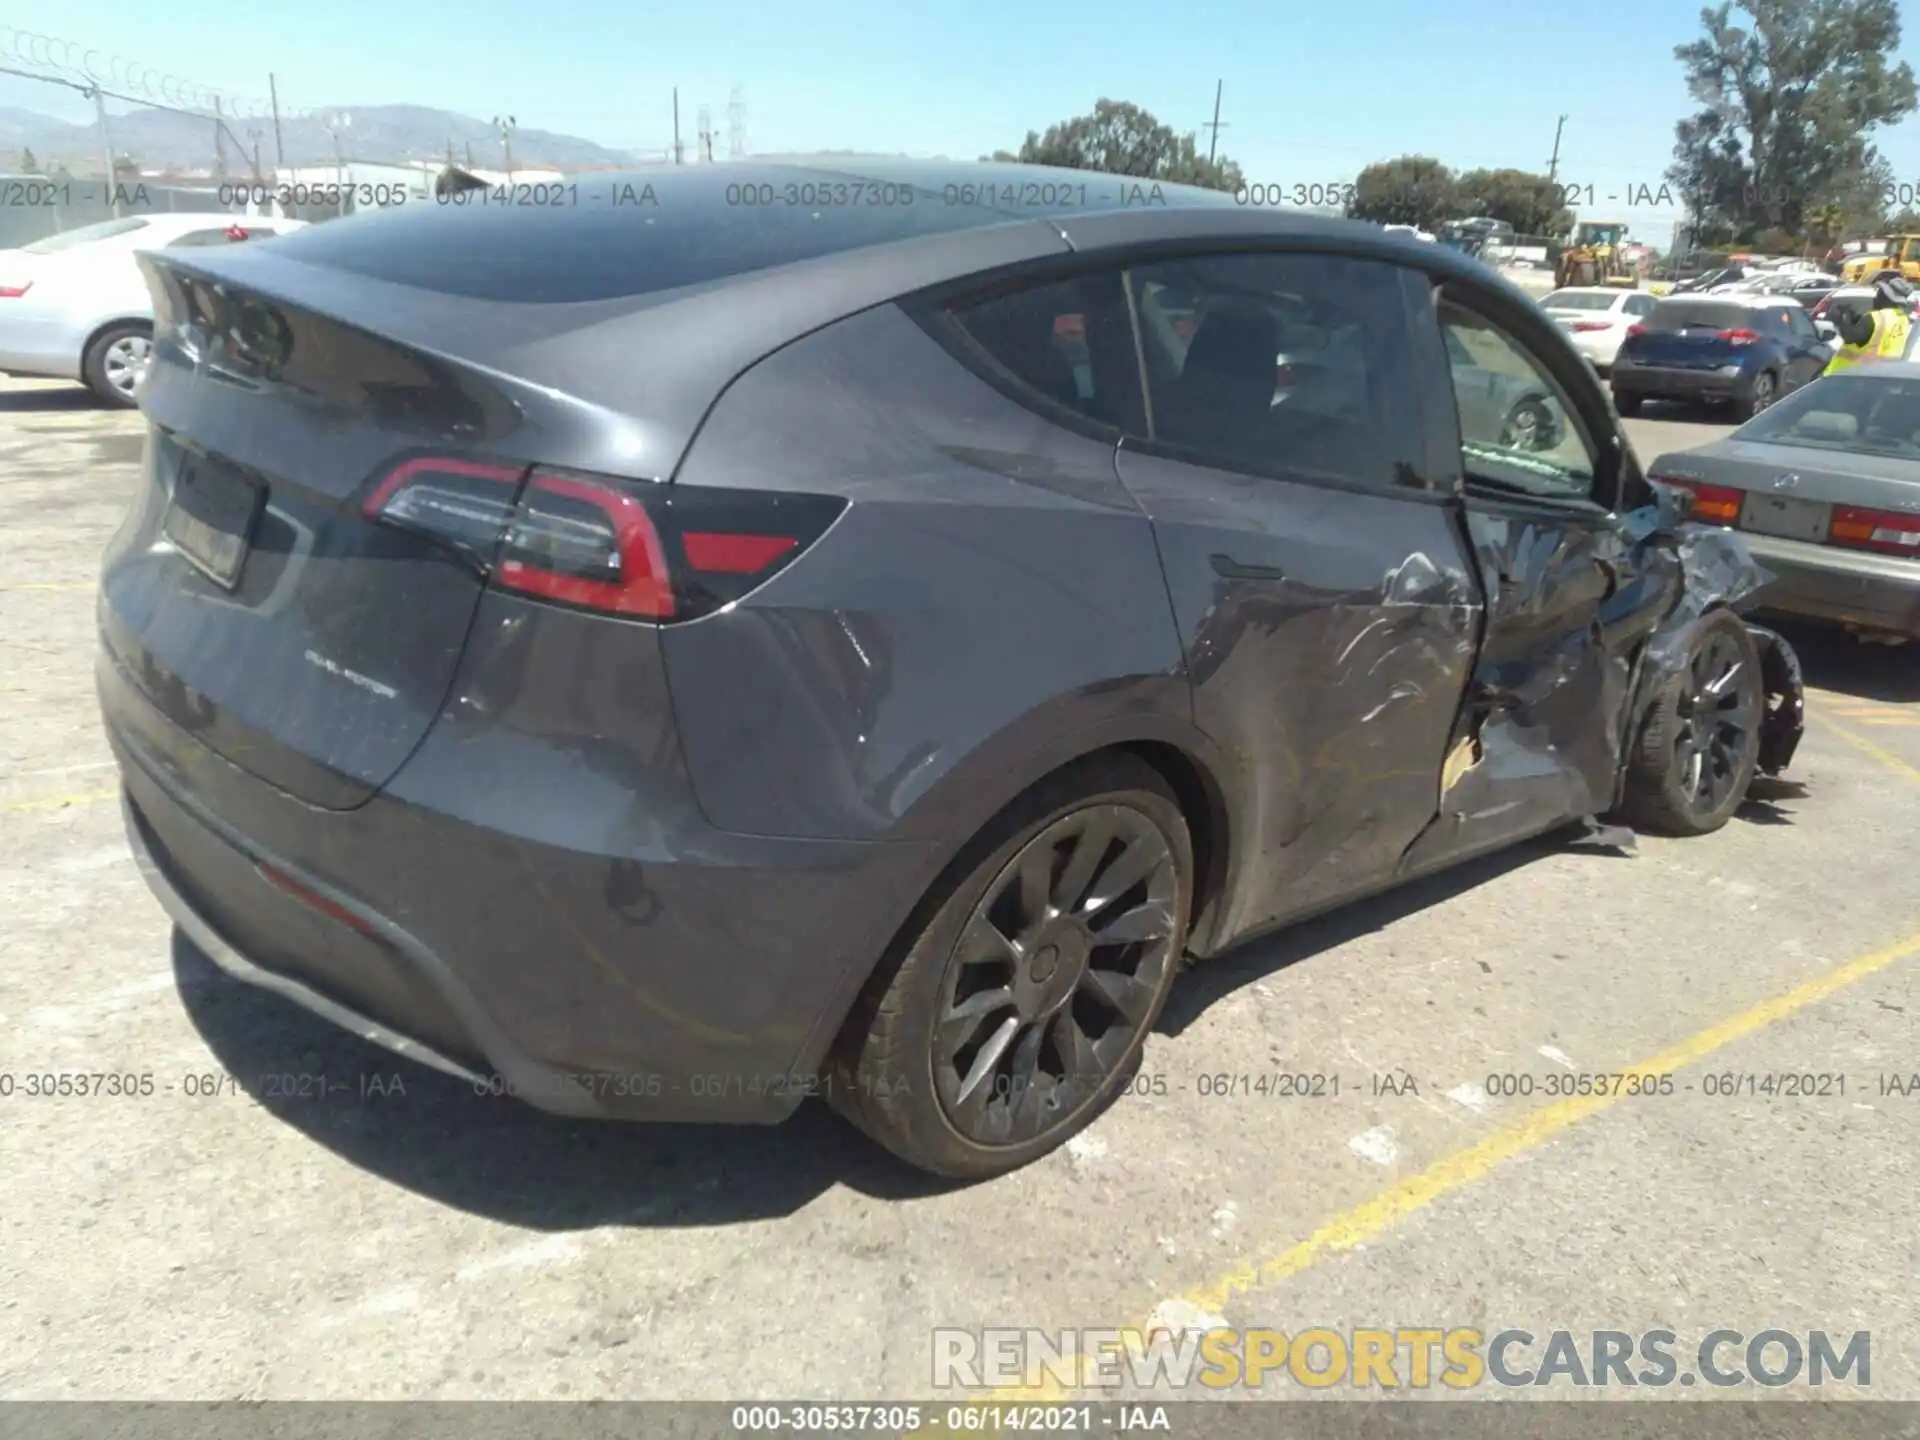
(1762, 393)
(125, 362)
(1719, 711)
(1055, 974)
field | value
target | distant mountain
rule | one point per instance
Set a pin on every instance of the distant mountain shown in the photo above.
(162, 139)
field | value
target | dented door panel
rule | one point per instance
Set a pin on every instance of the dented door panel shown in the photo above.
(1329, 634)
(1539, 739)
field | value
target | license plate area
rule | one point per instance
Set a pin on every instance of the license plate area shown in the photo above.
(211, 516)
(1786, 517)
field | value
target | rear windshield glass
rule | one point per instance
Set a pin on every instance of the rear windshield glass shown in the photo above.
(1570, 300)
(1700, 315)
(1863, 413)
(604, 238)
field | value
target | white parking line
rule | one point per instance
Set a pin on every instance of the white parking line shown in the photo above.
(1558, 1056)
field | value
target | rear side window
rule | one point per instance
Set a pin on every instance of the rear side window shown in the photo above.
(1067, 343)
(1291, 364)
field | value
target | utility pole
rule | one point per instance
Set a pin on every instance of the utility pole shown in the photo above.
(679, 155)
(1553, 165)
(106, 139)
(1213, 137)
(507, 127)
(279, 152)
(219, 141)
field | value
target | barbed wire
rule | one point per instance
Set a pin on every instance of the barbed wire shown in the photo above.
(49, 57)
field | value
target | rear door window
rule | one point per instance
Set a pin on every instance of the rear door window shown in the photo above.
(1295, 364)
(1064, 344)
(1699, 315)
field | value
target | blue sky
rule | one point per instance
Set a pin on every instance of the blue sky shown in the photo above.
(1313, 91)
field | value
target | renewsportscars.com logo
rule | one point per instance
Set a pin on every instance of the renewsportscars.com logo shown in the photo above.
(1399, 1359)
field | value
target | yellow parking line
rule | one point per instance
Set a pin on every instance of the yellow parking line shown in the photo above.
(60, 802)
(1860, 742)
(1890, 720)
(1454, 1172)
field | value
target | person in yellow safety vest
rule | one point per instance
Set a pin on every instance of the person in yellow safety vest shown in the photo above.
(1880, 333)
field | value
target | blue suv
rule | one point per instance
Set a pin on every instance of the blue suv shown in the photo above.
(1746, 350)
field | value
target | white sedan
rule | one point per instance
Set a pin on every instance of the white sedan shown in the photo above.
(1597, 318)
(74, 306)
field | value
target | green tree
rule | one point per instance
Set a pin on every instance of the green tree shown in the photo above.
(1907, 222)
(1789, 99)
(1528, 202)
(1122, 139)
(1411, 190)
(28, 165)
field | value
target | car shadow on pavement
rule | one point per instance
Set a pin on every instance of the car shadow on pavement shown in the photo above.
(53, 399)
(1831, 659)
(495, 1157)
(1213, 980)
(1764, 794)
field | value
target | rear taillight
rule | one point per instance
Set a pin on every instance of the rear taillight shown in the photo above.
(14, 292)
(1883, 530)
(1719, 504)
(1583, 326)
(1821, 308)
(632, 548)
(1633, 330)
(1738, 337)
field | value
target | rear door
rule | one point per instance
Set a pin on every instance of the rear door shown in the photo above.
(1537, 741)
(1807, 356)
(1323, 595)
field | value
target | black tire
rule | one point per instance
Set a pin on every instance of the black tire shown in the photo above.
(1766, 389)
(1529, 426)
(1625, 404)
(100, 367)
(888, 1075)
(1664, 792)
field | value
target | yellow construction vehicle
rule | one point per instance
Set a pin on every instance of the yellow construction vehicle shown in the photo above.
(1592, 256)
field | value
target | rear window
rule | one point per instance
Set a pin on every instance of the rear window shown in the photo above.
(1569, 300)
(1863, 413)
(1700, 315)
(609, 238)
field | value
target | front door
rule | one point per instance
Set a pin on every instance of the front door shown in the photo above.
(1538, 738)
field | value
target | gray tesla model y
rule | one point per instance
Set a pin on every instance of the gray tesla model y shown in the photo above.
(689, 642)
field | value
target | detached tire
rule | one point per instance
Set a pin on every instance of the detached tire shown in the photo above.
(1031, 976)
(1700, 743)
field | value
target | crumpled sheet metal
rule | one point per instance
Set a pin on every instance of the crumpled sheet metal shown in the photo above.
(1719, 570)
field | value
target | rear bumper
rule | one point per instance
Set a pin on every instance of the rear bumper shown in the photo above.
(1874, 592)
(701, 988)
(1648, 381)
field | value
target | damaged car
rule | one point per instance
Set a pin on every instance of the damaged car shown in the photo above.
(866, 651)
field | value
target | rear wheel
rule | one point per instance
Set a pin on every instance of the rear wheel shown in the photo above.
(1022, 1004)
(1759, 398)
(1626, 404)
(1701, 741)
(116, 362)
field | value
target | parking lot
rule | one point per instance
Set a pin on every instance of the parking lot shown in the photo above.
(400, 1236)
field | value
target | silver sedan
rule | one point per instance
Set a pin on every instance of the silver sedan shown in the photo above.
(1825, 486)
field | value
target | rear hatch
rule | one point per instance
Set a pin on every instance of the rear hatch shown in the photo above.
(1695, 334)
(246, 594)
